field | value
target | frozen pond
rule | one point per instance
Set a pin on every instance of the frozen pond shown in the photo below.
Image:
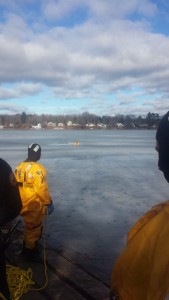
(99, 188)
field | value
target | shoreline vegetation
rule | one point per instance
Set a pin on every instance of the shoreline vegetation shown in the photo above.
(84, 121)
(46, 129)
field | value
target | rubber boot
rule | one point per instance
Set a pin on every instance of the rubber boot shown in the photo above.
(32, 254)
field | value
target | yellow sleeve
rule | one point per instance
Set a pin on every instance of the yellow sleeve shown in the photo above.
(40, 184)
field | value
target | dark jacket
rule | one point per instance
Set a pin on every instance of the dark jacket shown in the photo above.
(162, 137)
(162, 134)
(10, 201)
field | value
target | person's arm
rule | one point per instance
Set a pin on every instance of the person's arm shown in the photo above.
(41, 186)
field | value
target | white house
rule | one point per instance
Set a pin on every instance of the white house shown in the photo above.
(36, 126)
(69, 123)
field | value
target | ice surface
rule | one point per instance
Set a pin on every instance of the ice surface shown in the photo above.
(99, 188)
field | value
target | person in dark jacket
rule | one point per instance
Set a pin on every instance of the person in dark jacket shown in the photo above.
(10, 207)
(162, 145)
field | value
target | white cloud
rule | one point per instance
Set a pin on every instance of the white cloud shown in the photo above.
(121, 51)
(98, 8)
(19, 91)
(11, 108)
(103, 54)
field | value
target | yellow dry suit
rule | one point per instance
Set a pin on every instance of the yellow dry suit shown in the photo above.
(33, 187)
(142, 270)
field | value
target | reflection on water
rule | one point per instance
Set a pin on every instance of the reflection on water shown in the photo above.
(100, 188)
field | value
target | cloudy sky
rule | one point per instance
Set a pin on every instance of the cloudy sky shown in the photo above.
(71, 56)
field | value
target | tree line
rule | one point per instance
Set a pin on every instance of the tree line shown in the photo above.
(80, 120)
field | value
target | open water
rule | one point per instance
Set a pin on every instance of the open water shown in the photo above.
(99, 188)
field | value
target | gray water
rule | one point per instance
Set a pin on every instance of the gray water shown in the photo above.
(99, 188)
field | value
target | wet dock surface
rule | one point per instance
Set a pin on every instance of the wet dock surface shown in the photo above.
(56, 277)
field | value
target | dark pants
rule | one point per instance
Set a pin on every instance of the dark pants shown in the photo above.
(4, 288)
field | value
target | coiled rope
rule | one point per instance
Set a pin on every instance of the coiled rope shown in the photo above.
(20, 281)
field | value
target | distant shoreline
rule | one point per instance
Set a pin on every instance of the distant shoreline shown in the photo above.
(76, 129)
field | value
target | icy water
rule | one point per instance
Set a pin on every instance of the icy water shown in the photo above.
(99, 188)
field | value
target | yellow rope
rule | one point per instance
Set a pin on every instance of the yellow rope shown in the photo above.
(2, 296)
(20, 280)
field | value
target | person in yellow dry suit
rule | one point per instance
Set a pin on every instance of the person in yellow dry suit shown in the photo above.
(35, 196)
(142, 270)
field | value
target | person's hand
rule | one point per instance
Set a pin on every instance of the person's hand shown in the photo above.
(6, 227)
(50, 208)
